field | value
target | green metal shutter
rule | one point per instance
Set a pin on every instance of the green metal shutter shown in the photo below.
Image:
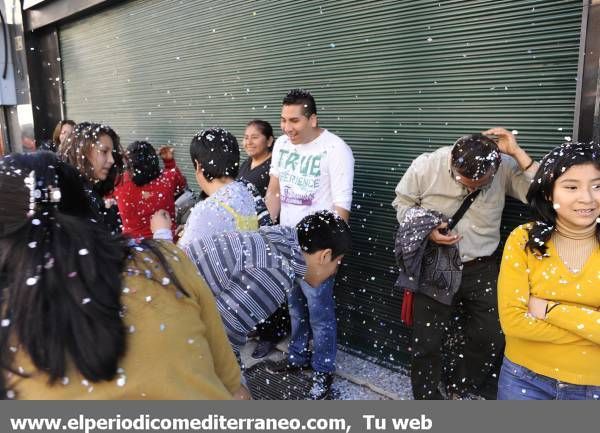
(393, 78)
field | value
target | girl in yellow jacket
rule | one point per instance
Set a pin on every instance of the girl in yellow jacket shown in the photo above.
(549, 284)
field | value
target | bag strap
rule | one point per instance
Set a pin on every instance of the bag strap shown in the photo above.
(469, 199)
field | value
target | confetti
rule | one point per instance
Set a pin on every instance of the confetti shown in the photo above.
(121, 381)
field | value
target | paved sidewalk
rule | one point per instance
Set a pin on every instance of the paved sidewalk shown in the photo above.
(355, 379)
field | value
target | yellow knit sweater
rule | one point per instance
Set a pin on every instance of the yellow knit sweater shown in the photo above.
(177, 348)
(566, 344)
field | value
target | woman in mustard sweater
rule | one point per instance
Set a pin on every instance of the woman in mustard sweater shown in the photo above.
(549, 284)
(85, 315)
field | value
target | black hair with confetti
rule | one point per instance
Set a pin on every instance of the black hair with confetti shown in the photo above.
(143, 162)
(322, 230)
(218, 153)
(539, 196)
(60, 273)
(474, 155)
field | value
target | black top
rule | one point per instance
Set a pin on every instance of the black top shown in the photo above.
(109, 217)
(258, 176)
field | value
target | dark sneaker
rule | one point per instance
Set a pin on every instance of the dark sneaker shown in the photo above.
(283, 366)
(321, 385)
(262, 349)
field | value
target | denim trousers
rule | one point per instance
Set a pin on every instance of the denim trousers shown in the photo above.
(520, 383)
(312, 312)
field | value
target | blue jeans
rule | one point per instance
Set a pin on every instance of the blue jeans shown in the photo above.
(519, 383)
(312, 312)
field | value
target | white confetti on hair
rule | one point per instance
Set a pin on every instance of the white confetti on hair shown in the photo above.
(122, 380)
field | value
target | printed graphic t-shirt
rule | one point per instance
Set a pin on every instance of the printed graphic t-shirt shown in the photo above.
(313, 176)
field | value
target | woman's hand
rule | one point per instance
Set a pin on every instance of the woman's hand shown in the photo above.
(160, 220)
(537, 307)
(166, 153)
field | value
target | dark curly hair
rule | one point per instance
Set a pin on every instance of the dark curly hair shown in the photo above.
(77, 146)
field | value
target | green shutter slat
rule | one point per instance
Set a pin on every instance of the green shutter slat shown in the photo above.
(393, 78)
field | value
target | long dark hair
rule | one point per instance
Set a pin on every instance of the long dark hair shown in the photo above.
(60, 272)
(143, 163)
(75, 148)
(539, 196)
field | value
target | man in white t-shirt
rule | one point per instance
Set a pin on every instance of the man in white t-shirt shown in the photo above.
(312, 169)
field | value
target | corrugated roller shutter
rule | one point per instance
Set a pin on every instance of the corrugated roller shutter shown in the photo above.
(393, 78)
